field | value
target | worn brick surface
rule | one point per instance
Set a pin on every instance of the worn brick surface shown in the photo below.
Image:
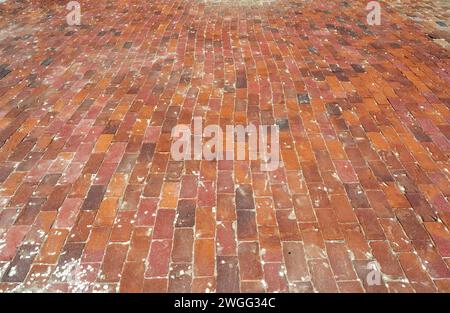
(91, 199)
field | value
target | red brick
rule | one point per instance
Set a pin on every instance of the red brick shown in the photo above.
(379, 203)
(188, 186)
(158, 258)
(287, 223)
(68, 213)
(244, 198)
(252, 286)
(204, 257)
(204, 284)
(356, 242)
(350, 287)
(443, 285)
(362, 174)
(370, 224)
(281, 197)
(226, 208)
(204, 222)
(206, 194)
(123, 226)
(343, 210)
(294, 258)
(363, 269)
(340, 261)
(227, 274)
(356, 195)
(397, 238)
(132, 279)
(345, 171)
(146, 213)
(180, 278)
(432, 261)
(313, 241)
(164, 224)
(318, 195)
(246, 225)
(321, 275)
(249, 261)
(12, 241)
(413, 228)
(183, 245)
(270, 245)
(28, 214)
(52, 247)
(389, 264)
(328, 224)
(303, 208)
(155, 285)
(21, 264)
(440, 236)
(275, 278)
(417, 277)
(225, 182)
(226, 239)
(96, 245)
(80, 232)
(112, 265)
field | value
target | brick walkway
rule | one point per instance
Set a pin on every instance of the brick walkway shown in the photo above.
(90, 199)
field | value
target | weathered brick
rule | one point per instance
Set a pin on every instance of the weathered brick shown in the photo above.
(249, 261)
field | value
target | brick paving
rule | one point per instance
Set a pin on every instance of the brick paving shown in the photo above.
(91, 201)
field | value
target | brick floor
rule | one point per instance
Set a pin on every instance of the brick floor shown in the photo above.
(91, 200)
